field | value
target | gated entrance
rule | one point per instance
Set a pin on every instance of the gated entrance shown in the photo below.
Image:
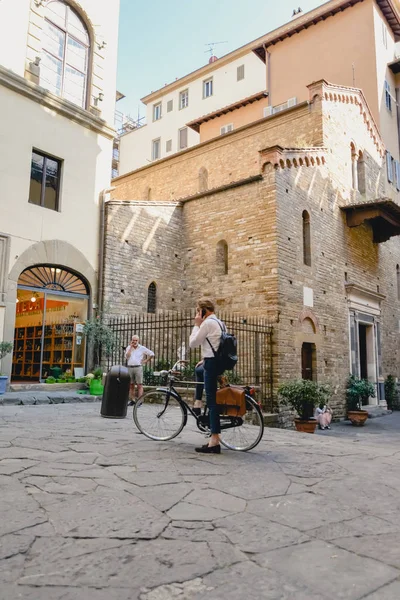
(167, 334)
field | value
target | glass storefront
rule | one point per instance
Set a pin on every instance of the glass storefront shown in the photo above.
(48, 339)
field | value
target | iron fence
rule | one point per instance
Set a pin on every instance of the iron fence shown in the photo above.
(167, 334)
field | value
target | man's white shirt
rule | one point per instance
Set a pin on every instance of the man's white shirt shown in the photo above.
(210, 329)
(137, 355)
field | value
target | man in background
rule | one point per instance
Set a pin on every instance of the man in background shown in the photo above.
(136, 356)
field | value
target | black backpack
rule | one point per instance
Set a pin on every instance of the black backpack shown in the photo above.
(226, 354)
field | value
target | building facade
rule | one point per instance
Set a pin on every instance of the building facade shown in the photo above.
(275, 219)
(168, 110)
(57, 101)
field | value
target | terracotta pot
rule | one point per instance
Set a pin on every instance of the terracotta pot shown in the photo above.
(357, 417)
(305, 426)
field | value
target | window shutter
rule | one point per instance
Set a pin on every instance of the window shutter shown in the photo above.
(389, 167)
(168, 146)
(397, 174)
(183, 136)
(170, 105)
(240, 73)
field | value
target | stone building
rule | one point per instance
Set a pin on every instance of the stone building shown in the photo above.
(291, 217)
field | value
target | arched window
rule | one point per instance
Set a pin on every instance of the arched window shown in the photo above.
(65, 53)
(398, 281)
(152, 298)
(222, 258)
(306, 239)
(361, 173)
(203, 180)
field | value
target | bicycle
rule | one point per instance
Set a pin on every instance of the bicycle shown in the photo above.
(162, 414)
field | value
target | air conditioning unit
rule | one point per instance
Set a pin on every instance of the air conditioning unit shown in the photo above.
(268, 111)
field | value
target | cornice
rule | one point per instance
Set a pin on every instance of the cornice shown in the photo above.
(67, 109)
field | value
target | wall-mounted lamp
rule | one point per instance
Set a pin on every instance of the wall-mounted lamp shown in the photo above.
(39, 2)
(98, 98)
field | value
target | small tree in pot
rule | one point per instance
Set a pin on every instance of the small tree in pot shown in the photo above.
(5, 348)
(358, 392)
(303, 395)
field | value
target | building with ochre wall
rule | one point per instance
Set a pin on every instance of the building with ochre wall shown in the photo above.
(57, 101)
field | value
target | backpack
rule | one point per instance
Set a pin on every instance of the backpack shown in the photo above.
(226, 354)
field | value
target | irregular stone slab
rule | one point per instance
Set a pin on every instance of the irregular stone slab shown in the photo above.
(163, 497)
(306, 469)
(254, 534)
(358, 575)
(146, 479)
(388, 592)
(11, 569)
(248, 486)
(225, 554)
(216, 499)
(181, 591)
(247, 581)
(302, 511)
(112, 514)
(62, 485)
(11, 544)
(9, 466)
(99, 563)
(200, 534)
(363, 525)
(385, 548)
(18, 509)
(190, 512)
(27, 592)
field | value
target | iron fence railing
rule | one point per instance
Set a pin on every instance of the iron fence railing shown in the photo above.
(167, 334)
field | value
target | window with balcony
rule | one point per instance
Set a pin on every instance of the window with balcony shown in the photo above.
(45, 181)
(65, 54)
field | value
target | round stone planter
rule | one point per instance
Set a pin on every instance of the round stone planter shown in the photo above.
(357, 417)
(305, 426)
(96, 388)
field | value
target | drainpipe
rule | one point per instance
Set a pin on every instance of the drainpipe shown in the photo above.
(398, 114)
(268, 55)
(103, 195)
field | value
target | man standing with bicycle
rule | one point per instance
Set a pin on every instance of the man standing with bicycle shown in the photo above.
(207, 334)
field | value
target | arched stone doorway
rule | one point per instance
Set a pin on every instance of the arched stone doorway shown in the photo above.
(51, 308)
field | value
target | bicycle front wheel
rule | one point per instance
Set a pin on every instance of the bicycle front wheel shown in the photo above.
(246, 436)
(159, 416)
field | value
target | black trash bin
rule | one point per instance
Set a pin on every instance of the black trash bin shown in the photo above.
(116, 393)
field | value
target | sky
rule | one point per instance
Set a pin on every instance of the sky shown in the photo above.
(161, 40)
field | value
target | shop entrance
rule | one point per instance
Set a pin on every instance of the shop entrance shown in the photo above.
(52, 306)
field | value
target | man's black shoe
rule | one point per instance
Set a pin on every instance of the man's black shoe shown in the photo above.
(131, 403)
(209, 449)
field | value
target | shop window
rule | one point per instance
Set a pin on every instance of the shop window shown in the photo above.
(306, 239)
(203, 179)
(152, 298)
(222, 258)
(45, 181)
(65, 54)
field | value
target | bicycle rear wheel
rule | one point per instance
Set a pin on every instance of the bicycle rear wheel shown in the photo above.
(246, 436)
(157, 418)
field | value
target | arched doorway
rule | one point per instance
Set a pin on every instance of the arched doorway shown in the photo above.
(51, 307)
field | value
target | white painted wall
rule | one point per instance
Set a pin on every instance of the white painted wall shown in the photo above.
(135, 147)
(14, 21)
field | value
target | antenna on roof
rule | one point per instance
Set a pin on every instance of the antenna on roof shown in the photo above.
(211, 47)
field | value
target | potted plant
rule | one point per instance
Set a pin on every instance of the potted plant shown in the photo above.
(51, 379)
(358, 392)
(5, 348)
(303, 395)
(100, 336)
(95, 382)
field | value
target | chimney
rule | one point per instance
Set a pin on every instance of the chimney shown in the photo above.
(212, 59)
(296, 13)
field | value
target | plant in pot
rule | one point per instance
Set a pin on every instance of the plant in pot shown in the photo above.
(100, 336)
(51, 379)
(303, 395)
(5, 348)
(95, 382)
(358, 392)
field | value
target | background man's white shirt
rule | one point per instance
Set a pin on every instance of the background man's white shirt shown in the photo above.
(137, 355)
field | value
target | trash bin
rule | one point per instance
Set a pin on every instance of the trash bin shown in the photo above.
(116, 393)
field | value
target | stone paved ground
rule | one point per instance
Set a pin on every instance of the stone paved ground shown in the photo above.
(92, 510)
